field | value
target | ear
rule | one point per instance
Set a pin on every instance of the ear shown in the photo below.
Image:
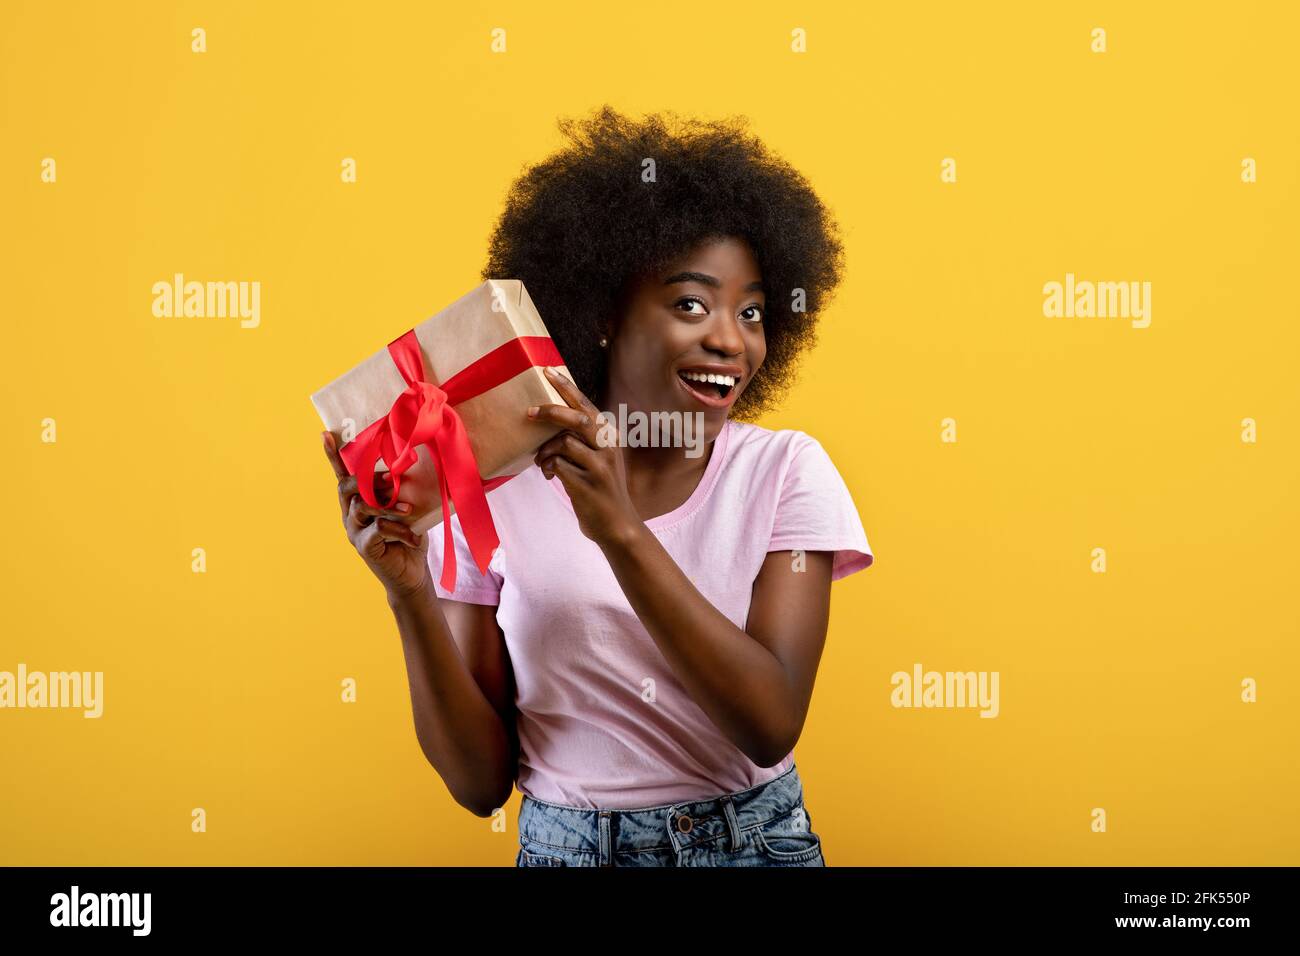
(607, 329)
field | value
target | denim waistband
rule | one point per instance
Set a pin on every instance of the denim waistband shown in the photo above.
(672, 825)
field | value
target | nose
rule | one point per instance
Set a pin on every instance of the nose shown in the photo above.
(723, 336)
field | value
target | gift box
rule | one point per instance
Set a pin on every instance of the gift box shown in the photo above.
(442, 410)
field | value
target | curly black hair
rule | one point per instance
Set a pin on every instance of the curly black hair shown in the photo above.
(584, 223)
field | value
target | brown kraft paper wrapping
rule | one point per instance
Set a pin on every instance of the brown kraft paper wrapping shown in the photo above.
(503, 438)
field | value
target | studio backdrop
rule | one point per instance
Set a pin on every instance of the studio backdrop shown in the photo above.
(1058, 380)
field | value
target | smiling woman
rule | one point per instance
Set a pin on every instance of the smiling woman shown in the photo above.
(583, 227)
(701, 325)
(640, 655)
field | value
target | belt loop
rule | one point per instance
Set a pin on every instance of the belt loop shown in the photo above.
(729, 810)
(606, 851)
(668, 826)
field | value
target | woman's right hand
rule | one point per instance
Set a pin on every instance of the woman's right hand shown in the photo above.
(398, 556)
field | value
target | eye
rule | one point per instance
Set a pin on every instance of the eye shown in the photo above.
(704, 310)
(757, 315)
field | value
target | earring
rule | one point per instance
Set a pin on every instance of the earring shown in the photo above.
(604, 342)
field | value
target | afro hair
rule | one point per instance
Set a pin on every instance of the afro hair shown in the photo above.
(579, 227)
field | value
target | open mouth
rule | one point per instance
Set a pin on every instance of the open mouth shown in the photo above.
(712, 388)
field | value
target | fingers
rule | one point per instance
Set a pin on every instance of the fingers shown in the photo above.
(349, 486)
(332, 453)
(607, 435)
(596, 431)
(347, 483)
(399, 510)
(579, 458)
(391, 530)
(357, 514)
(349, 489)
(368, 524)
(373, 540)
(574, 419)
(353, 519)
(570, 392)
(560, 467)
(567, 445)
(581, 417)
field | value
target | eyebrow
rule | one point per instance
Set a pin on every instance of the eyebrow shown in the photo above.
(703, 279)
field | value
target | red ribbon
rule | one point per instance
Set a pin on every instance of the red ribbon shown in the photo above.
(423, 415)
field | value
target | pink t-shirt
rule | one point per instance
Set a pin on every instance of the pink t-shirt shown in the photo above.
(589, 736)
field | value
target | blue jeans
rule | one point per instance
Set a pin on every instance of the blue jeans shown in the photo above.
(766, 825)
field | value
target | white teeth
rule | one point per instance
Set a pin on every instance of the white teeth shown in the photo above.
(727, 380)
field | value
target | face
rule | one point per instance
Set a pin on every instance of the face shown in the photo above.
(691, 337)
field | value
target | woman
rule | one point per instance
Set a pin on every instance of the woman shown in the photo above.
(641, 653)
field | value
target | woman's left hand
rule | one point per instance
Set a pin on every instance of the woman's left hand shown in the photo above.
(586, 457)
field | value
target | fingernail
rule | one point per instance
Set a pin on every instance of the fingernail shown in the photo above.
(552, 372)
(403, 507)
(532, 411)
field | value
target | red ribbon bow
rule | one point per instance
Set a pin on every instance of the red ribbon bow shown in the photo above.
(423, 415)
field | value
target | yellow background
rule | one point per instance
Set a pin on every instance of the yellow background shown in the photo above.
(1118, 690)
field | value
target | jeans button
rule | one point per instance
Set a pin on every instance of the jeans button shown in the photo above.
(684, 824)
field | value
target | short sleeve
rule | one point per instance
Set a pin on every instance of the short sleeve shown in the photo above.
(472, 585)
(815, 511)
